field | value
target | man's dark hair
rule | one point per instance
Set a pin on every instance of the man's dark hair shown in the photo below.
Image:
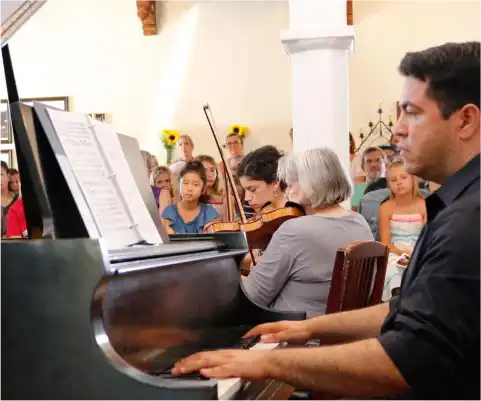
(261, 165)
(372, 149)
(452, 73)
(5, 166)
(12, 171)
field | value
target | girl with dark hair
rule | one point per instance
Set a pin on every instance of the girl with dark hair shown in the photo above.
(8, 197)
(190, 214)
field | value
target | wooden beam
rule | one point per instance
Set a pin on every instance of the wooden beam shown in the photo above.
(147, 14)
(350, 17)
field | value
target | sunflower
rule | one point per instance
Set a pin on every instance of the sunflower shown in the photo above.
(235, 129)
(169, 138)
(238, 130)
(172, 137)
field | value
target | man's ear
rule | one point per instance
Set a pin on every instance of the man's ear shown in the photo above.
(468, 122)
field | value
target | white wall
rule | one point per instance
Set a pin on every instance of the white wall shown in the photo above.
(385, 31)
(225, 53)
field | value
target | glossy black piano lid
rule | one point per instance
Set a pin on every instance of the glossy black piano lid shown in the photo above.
(155, 317)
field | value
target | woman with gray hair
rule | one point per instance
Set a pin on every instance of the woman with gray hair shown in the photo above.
(294, 273)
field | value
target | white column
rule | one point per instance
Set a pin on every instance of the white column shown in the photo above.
(318, 42)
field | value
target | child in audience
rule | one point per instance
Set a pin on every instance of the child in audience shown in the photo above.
(190, 214)
(214, 190)
(162, 187)
(401, 219)
(16, 222)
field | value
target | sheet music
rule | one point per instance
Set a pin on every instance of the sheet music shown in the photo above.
(83, 154)
(13, 14)
(109, 141)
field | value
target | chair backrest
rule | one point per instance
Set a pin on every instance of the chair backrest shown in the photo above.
(358, 276)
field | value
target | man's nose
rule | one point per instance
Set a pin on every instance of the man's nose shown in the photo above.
(400, 128)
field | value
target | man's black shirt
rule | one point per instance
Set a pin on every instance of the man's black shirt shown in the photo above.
(432, 330)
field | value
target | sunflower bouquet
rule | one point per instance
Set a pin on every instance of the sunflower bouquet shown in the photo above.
(169, 140)
(239, 130)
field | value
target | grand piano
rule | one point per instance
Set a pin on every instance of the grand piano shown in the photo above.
(80, 321)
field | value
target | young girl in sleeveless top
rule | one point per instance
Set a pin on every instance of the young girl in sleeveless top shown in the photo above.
(190, 214)
(400, 222)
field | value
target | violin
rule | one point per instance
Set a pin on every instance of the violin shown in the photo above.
(260, 228)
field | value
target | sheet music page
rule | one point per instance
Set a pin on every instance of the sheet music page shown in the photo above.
(13, 14)
(83, 154)
(109, 141)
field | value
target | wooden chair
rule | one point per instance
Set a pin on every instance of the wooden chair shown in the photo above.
(357, 282)
(358, 276)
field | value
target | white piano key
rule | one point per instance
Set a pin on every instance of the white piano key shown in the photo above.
(227, 388)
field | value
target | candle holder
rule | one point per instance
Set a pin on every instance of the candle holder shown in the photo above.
(378, 130)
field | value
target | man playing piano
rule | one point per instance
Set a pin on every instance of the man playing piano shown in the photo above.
(425, 344)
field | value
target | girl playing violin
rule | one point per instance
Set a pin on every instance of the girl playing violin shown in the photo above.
(257, 173)
(190, 214)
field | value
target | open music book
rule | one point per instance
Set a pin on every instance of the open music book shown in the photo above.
(94, 154)
(13, 14)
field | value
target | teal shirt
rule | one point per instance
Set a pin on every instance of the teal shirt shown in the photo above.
(206, 215)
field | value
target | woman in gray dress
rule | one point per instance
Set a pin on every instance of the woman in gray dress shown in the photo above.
(294, 273)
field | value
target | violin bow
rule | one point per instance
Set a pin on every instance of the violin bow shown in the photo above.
(230, 177)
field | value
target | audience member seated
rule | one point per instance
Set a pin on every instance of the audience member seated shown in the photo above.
(150, 161)
(8, 197)
(400, 222)
(215, 186)
(186, 146)
(190, 214)
(14, 181)
(16, 222)
(357, 173)
(369, 208)
(162, 187)
(374, 165)
(294, 273)
(235, 146)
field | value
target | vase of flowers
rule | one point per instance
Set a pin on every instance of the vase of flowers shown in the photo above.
(169, 140)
